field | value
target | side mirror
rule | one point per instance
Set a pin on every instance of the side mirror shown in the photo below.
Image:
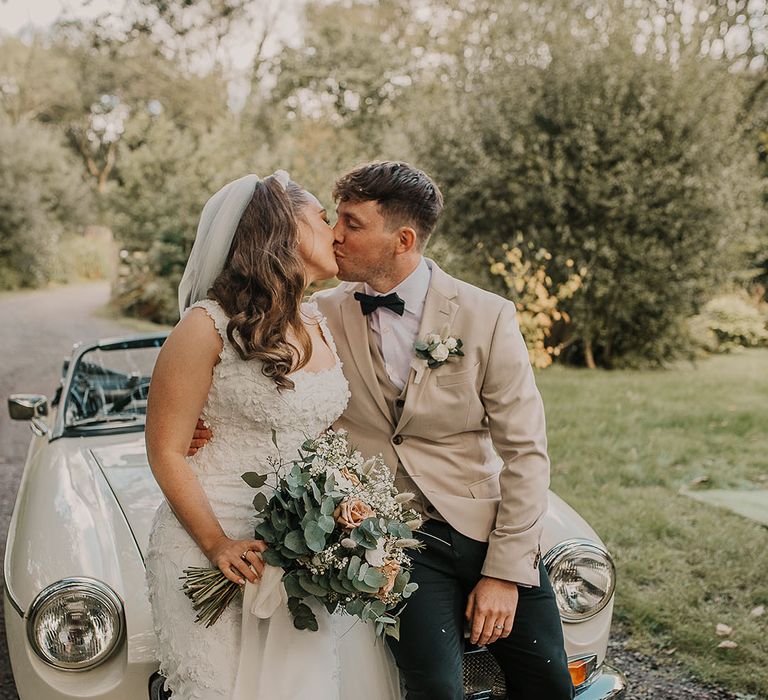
(27, 406)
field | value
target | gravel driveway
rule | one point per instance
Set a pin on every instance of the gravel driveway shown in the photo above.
(39, 329)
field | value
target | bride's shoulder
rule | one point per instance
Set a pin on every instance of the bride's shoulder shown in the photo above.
(207, 311)
(195, 335)
(205, 322)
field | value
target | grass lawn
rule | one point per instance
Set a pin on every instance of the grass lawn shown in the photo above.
(622, 444)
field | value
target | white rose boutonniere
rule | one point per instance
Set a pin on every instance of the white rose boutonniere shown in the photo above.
(436, 349)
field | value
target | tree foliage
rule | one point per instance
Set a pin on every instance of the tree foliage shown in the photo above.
(41, 197)
(631, 167)
(617, 134)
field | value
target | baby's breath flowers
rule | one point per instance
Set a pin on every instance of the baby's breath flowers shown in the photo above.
(339, 530)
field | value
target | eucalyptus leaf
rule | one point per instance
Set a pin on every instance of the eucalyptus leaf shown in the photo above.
(310, 586)
(326, 523)
(274, 558)
(355, 607)
(393, 630)
(363, 570)
(363, 587)
(265, 530)
(337, 585)
(260, 502)
(294, 541)
(353, 567)
(254, 479)
(374, 577)
(292, 586)
(314, 536)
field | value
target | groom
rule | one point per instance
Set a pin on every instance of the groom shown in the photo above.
(467, 437)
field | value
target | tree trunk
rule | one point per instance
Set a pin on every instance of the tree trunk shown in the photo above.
(589, 356)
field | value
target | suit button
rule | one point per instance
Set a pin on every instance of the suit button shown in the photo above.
(397, 440)
(400, 403)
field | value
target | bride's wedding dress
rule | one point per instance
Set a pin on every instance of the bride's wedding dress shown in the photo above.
(342, 660)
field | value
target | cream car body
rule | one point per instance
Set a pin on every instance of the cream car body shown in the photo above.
(82, 518)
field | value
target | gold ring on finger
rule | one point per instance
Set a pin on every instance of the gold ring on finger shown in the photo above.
(244, 555)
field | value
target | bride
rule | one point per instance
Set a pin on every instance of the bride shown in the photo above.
(251, 359)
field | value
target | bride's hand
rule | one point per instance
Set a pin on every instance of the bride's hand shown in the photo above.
(238, 559)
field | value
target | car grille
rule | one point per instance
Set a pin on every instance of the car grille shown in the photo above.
(483, 679)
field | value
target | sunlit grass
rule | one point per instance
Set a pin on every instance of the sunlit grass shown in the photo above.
(622, 444)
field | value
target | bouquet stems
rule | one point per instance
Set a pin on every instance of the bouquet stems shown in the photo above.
(210, 591)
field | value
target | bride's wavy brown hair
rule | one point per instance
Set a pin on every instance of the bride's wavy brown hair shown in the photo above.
(262, 284)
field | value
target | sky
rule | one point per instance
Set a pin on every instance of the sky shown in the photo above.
(15, 14)
(20, 14)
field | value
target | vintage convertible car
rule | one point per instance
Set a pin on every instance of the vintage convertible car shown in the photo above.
(77, 617)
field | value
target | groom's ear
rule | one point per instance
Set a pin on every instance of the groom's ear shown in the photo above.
(407, 240)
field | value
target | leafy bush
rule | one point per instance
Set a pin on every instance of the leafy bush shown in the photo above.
(42, 195)
(84, 258)
(166, 176)
(730, 321)
(141, 291)
(631, 167)
(537, 299)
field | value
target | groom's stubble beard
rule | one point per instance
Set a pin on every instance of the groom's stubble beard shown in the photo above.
(367, 272)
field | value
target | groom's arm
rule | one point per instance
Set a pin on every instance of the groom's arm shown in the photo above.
(518, 430)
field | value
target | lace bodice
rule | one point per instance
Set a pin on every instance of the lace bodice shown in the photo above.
(244, 407)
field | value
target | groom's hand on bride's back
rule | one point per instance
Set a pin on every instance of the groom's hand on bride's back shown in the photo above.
(200, 437)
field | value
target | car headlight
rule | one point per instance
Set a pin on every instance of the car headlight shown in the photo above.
(583, 577)
(75, 624)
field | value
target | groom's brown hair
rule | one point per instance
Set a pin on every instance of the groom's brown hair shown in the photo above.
(406, 195)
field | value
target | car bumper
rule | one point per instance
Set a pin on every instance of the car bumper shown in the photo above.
(607, 684)
(484, 680)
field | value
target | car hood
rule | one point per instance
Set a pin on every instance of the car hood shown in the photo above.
(125, 468)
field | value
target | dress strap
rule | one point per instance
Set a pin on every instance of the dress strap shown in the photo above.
(311, 309)
(217, 314)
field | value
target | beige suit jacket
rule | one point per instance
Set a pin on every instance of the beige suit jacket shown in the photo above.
(472, 432)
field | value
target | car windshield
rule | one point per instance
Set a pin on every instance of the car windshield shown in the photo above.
(110, 385)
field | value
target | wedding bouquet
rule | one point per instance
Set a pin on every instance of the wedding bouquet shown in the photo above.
(337, 527)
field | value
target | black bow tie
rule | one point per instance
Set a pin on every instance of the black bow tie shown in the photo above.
(369, 303)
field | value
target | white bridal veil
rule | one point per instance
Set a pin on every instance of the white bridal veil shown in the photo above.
(218, 223)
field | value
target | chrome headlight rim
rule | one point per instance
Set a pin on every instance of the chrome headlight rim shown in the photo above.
(573, 546)
(78, 584)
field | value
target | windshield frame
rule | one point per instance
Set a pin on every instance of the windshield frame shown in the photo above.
(60, 429)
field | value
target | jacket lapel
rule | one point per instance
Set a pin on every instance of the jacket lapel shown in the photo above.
(438, 315)
(356, 331)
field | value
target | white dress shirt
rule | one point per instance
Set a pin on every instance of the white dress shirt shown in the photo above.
(395, 335)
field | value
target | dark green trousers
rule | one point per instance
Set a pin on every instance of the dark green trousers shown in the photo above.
(429, 653)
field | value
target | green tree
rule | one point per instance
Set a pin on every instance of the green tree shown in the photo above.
(166, 176)
(634, 168)
(41, 197)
